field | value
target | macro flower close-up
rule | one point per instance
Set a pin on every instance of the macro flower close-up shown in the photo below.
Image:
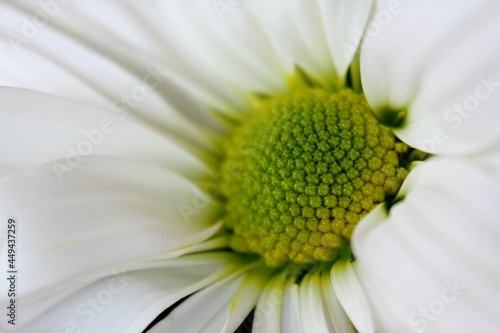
(250, 166)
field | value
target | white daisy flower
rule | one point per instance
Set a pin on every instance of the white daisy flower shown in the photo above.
(273, 166)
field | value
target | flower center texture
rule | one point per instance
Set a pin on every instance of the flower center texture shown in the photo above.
(303, 170)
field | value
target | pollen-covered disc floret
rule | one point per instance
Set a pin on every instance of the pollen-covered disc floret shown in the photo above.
(302, 171)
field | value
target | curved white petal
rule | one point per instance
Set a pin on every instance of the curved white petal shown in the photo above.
(221, 49)
(488, 162)
(438, 60)
(340, 321)
(220, 307)
(343, 24)
(432, 263)
(319, 36)
(252, 46)
(351, 295)
(290, 309)
(214, 243)
(267, 316)
(37, 128)
(313, 316)
(129, 299)
(246, 298)
(106, 214)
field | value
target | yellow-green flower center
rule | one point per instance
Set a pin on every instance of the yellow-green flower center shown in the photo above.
(304, 169)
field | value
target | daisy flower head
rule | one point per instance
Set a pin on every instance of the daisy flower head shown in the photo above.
(264, 166)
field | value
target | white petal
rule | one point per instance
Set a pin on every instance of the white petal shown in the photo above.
(108, 213)
(253, 46)
(128, 300)
(439, 61)
(432, 263)
(338, 317)
(104, 54)
(218, 308)
(313, 316)
(343, 23)
(321, 37)
(376, 217)
(290, 318)
(267, 316)
(37, 128)
(488, 162)
(351, 295)
(222, 49)
(215, 243)
(246, 298)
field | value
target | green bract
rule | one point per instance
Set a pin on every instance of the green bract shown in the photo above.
(304, 169)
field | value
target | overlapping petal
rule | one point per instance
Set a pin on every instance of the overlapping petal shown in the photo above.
(267, 316)
(129, 298)
(431, 263)
(74, 50)
(351, 296)
(439, 62)
(320, 37)
(314, 315)
(340, 321)
(222, 307)
(290, 311)
(107, 214)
